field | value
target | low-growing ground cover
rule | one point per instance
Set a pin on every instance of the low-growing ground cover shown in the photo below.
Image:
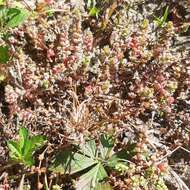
(95, 95)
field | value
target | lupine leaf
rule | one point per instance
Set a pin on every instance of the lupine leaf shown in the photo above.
(71, 162)
(16, 16)
(91, 179)
(23, 135)
(14, 149)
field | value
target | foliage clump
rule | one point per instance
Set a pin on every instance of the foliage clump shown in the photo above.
(106, 82)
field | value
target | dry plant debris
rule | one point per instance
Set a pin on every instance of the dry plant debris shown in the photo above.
(106, 82)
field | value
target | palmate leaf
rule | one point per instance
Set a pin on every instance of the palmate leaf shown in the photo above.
(91, 179)
(106, 149)
(103, 186)
(30, 147)
(107, 141)
(23, 135)
(16, 16)
(89, 149)
(14, 150)
(69, 162)
(122, 156)
(23, 150)
(28, 159)
(85, 160)
(12, 17)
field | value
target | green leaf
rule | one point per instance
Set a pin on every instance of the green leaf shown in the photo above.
(4, 54)
(106, 149)
(162, 20)
(103, 186)
(29, 161)
(89, 149)
(107, 141)
(89, 180)
(12, 17)
(16, 16)
(113, 161)
(122, 156)
(23, 150)
(28, 153)
(94, 11)
(27, 148)
(157, 20)
(71, 162)
(23, 135)
(166, 12)
(14, 150)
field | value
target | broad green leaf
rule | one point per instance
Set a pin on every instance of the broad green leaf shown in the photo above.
(106, 149)
(113, 161)
(27, 148)
(89, 149)
(23, 150)
(28, 159)
(16, 16)
(14, 150)
(23, 137)
(122, 156)
(81, 162)
(4, 54)
(89, 180)
(107, 141)
(106, 153)
(71, 162)
(103, 186)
